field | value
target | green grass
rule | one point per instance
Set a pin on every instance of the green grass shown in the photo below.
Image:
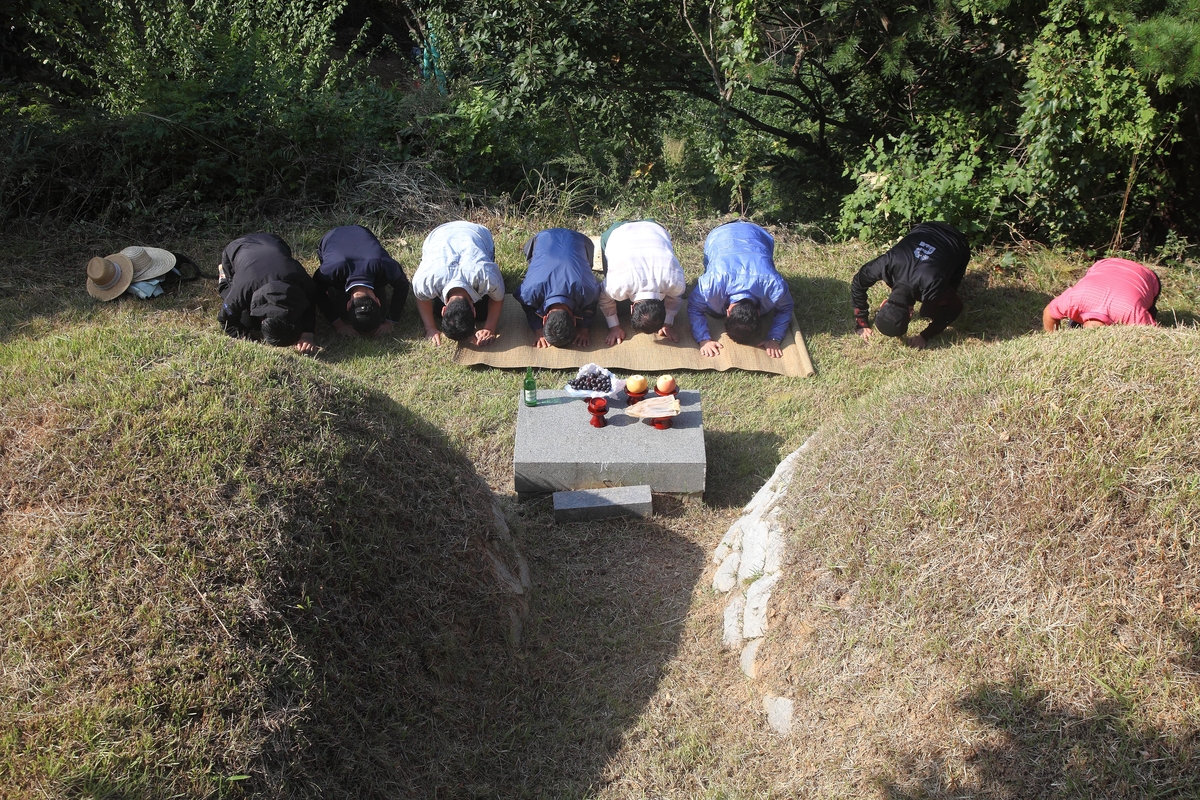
(1024, 555)
(218, 560)
(211, 552)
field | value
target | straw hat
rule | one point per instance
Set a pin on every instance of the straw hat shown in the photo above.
(149, 262)
(109, 277)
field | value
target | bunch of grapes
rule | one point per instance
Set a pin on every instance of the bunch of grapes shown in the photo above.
(592, 382)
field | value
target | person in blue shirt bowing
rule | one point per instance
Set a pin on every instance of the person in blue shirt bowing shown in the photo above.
(740, 283)
(559, 293)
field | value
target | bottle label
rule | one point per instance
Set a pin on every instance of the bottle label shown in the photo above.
(531, 397)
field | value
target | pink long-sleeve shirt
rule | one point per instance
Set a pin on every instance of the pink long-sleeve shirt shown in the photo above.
(1114, 291)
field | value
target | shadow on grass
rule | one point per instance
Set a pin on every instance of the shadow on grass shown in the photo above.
(822, 305)
(1171, 317)
(994, 311)
(991, 310)
(1048, 753)
(411, 687)
(52, 300)
(739, 463)
(351, 638)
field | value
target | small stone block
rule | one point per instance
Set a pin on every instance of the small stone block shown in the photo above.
(557, 450)
(779, 713)
(589, 504)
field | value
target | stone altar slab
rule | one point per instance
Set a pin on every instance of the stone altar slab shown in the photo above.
(557, 450)
(585, 505)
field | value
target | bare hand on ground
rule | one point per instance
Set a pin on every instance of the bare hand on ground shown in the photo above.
(583, 338)
(669, 332)
(541, 341)
(865, 333)
(306, 346)
(434, 335)
(615, 336)
(710, 348)
(772, 347)
(483, 336)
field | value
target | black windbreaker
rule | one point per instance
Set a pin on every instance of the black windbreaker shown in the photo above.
(931, 261)
(262, 280)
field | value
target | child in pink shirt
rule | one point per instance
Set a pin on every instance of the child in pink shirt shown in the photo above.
(1113, 292)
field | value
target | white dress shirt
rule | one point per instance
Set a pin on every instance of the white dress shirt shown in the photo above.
(458, 255)
(641, 266)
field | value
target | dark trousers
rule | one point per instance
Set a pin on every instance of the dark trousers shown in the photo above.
(941, 311)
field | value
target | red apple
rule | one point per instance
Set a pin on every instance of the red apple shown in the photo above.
(666, 384)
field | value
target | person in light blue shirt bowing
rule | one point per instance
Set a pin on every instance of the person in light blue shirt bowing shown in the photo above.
(457, 285)
(740, 283)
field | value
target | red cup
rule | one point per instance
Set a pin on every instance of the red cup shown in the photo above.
(597, 407)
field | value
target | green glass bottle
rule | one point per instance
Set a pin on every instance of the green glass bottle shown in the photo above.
(530, 392)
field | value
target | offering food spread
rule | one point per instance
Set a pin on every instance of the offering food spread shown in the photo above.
(596, 382)
(557, 448)
(655, 407)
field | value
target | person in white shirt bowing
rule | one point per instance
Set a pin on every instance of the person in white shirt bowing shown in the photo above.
(640, 266)
(458, 285)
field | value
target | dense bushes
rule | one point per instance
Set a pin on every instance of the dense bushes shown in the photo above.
(153, 106)
(1062, 120)
(1065, 120)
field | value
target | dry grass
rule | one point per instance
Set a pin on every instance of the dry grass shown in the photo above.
(617, 690)
(993, 590)
(211, 555)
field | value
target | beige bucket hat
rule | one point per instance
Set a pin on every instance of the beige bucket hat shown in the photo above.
(149, 262)
(109, 277)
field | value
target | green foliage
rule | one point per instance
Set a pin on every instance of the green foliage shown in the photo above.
(1167, 45)
(1085, 130)
(903, 181)
(1034, 116)
(1087, 122)
(163, 105)
(1064, 120)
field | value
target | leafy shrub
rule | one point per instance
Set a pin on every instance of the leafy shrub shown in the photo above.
(166, 106)
(1088, 145)
(904, 180)
(1087, 129)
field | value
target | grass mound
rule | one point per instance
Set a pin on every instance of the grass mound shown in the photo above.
(225, 570)
(995, 587)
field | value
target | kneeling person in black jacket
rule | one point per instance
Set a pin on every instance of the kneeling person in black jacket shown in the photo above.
(266, 293)
(927, 265)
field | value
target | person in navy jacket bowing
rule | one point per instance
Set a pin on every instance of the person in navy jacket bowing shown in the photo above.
(559, 292)
(740, 283)
(353, 279)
